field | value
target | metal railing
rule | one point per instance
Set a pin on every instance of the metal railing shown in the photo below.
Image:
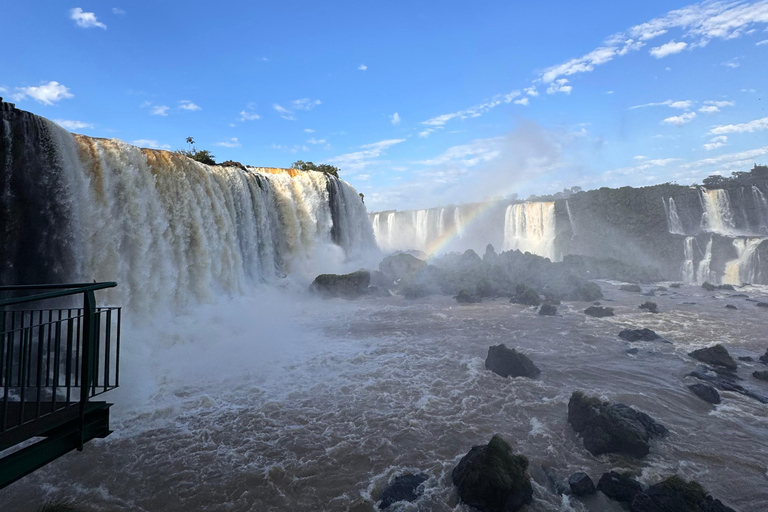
(54, 358)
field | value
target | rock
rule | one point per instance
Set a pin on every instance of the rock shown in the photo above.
(547, 310)
(762, 304)
(746, 359)
(346, 286)
(558, 485)
(491, 478)
(415, 291)
(739, 295)
(649, 306)
(598, 311)
(581, 484)
(382, 280)
(586, 291)
(232, 163)
(764, 358)
(375, 291)
(710, 504)
(660, 289)
(402, 488)
(464, 297)
(612, 428)
(399, 266)
(760, 374)
(730, 306)
(639, 335)
(633, 351)
(726, 287)
(510, 363)
(631, 288)
(676, 285)
(619, 486)
(526, 296)
(671, 495)
(705, 392)
(716, 355)
(708, 286)
(726, 381)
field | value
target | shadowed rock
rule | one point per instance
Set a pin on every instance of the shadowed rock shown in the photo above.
(705, 392)
(716, 355)
(612, 428)
(649, 306)
(464, 297)
(581, 484)
(510, 363)
(402, 488)
(525, 296)
(726, 381)
(676, 495)
(631, 288)
(346, 286)
(730, 306)
(400, 266)
(760, 374)
(598, 311)
(547, 310)
(764, 358)
(639, 335)
(619, 486)
(492, 479)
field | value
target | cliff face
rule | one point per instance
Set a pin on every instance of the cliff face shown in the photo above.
(686, 233)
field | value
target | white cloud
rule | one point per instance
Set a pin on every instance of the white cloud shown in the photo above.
(681, 119)
(359, 160)
(231, 143)
(72, 125)
(716, 142)
(118, 11)
(639, 157)
(249, 116)
(395, 119)
(316, 141)
(305, 104)
(284, 112)
(608, 92)
(709, 109)
(679, 104)
(47, 94)
(733, 64)
(531, 91)
(475, 111)
(761, 43)
(309, 130)
(149, 143)
(752, 126)
(559, 85)
(188, 105)
(669, 48)
(159, 110)
(480, 150)
(439, 120)
(730, 160)
(522, 101)
(85, 19)
(362, 67)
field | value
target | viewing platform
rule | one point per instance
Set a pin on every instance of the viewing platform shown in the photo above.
(55, 356)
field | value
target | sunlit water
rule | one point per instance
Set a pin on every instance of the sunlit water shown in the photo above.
(273, 401)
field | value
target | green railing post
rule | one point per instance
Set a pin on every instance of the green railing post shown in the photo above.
(89, 314)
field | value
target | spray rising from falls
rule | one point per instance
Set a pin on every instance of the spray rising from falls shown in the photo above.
(165, 227)
(530, 227)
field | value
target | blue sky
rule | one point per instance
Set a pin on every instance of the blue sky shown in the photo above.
(419, 103)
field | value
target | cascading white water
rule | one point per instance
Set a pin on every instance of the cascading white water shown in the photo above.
(761, 204)
(458, 222)
(421, 223)
(570, 218)
(703, 272)
(441, 223)
(169, 229)
(717, 216)
(530, 227)
(674, 225)
(390, 227)
(745, 268)
(688, 270)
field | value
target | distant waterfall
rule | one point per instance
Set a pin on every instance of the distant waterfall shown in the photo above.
(744, 269)
(703, 273)
(717, 216)
(530, 227)
(570, 218)
(762, 208)
(458, 222)
(689, 272)
(165, 227)
(673, 219)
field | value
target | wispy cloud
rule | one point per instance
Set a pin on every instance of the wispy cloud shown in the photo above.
(309, 130)
(729, 160)
(305, 104)
(680, 104)
(188, 105)
(761, 43)
(118, 11)
(395, 119)
(669, 48)
(522, 101)
(681, 119)
(284, 112)
(85, 19)
(150, 143)
(316, 141)
(733, 63)
(480, 150)
(439, 122)
(752, 126)
(710, 107)
(362, 67)
(716, 142)
(249, 116)
(72, 125)
(159, 110)
(231, 143)
(358, 160)
(531, 91)
(559, 85)
(47, 94)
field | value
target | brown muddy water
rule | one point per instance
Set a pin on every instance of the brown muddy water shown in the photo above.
(228, 411)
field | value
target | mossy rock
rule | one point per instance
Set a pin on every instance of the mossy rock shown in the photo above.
(526, 296)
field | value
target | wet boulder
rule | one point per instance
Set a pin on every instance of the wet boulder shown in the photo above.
(710, 504)
(400, 266)
(581, 484)
(493, 479)
(649, 306)
(508, 362)
(586, 291)
(345, 286)
(716, 355)
(705, 392)
(764, 358)
(381, 280)
(612, 428)
(619, 486)
(526, 296)
(676, 495)
(464, 297)
(598, 311)
(725, 380)
(631, 288)
(403, 488)
(762, 304)
(639, 335)
(760, 375)
(547, 310)
(708, 286)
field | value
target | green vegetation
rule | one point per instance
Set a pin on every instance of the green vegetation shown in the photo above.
(309, 166)
(758, 174)
(203, 156)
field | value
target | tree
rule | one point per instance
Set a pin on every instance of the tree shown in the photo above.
(309, 166)
(191, 142)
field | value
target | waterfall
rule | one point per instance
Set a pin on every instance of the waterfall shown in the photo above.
(717, 216)
(375, 223)
(703, 272)
(688, 271)
(421, 223)
(457, 222)
(390, 227)
(674, 225)
(745, 268)
(441, 223)
(530, 227)
(166, 228)
(761, 204)
(570, 218)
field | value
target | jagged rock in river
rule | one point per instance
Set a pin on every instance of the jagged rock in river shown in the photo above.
(631, 288)
(705, 392)
(464, 297)
(725, 380)
(399, 266)
(764, 357)
(508, 362)
(639, 335)
(730, 306)
(762, 304)
(403, 488)
(598, 311)
(716, 355)
(547, 310)
(760, 374)
(612, 428)
(493, 479)
(676, 495)
(581, 484)
(649, 306)
(526, 296)
(346, 286)
(619, 486)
